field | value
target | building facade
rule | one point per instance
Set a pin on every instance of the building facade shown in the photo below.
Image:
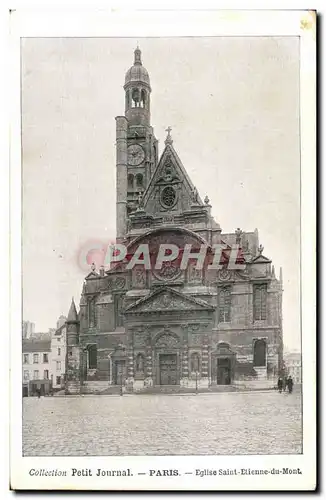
(292, 361)
(58, 354)
(28, 329)
(172, 325)
(36, 365)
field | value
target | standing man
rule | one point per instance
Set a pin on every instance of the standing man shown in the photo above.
(280, 384)
(290, 384)
(285, 383)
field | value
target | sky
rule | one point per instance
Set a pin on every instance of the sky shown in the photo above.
(233, 105)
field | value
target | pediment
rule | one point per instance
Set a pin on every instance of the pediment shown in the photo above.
(92, 275)
(167, 300)
(260, 259)
(170, 188)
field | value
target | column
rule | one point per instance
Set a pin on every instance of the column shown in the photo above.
(130, 368)
(204, 365)
(149, 366)
(185, 364)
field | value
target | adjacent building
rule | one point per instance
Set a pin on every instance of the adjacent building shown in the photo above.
(36, 366)
(171, 326)
(28, 329)
(292, 362)
(58, 354)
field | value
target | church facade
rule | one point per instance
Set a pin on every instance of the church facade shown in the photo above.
(172, 325)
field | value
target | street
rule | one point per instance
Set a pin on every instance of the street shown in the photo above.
(215, 424)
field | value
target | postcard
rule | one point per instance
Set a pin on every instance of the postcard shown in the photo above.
(162, 208)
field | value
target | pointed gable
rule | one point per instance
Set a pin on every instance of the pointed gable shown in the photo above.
(170, 188)
(167, 300)
(72, 315)
(260, 259)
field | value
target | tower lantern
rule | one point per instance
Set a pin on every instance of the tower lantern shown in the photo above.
(137, 88)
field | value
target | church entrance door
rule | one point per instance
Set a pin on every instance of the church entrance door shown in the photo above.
(119, 372)
(224, 371)
(168, 369)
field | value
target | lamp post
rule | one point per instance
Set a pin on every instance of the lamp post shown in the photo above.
(196, 381)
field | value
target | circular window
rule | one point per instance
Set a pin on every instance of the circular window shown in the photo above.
(168, 196)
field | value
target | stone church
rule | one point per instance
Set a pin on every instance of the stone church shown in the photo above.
(171, 328)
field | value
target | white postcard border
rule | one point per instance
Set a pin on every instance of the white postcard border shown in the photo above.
(167, 23)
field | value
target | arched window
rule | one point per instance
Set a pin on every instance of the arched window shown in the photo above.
(92, 357)
(91, 313)
(139, 363)
(118, 301)
(260, 353)
(143, 99)
(130, 181)
(195, 362)
(139, 180)
(136, 98)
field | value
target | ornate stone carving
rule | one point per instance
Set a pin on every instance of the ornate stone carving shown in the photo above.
(168, 341)
(224, 275)
(195, 275)
(168, 272)
(139, 278)
(196, 339)
(238, 234)
(120, 282)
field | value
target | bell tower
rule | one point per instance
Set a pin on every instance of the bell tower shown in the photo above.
(137, 147)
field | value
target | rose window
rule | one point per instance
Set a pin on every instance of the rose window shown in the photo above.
(168, 196)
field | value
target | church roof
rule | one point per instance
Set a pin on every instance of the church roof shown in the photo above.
(72, 315)
(137, 72)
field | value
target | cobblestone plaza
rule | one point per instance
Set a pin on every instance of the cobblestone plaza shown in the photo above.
(217, 424)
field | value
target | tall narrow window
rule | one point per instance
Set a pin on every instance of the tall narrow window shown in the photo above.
(260, 300)
(26, 359)
(91, 313)
(225, 305)
(143, 99)
(118, 302)
(130, 182)
(139, 180)
(35, 358)
(45, 358)
(92, 356)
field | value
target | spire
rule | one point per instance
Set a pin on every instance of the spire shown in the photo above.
(72, 315)
(281, 275)
(137, 53)
(168, 139)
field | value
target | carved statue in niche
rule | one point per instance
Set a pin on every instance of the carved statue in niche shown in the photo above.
(139, 278)
(194, 362)
(195, 275)
(194, 196)
(140, 363)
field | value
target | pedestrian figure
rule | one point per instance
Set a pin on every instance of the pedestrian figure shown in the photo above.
(290, 384)
(285, 383)
(280, 384)
(39, 393)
